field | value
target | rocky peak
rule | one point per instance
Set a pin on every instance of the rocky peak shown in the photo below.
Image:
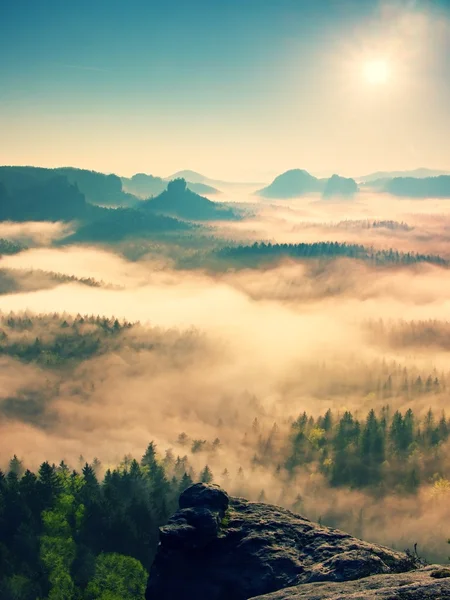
(223, 548)
(204, 495)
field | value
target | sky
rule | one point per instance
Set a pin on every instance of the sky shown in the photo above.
(235, 89)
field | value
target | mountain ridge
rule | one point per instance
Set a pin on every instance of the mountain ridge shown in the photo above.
(299, 182)
(419, 173)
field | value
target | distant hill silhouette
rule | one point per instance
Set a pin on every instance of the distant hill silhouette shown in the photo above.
(340, 186)
(53, 199)
(430, 187)
(191, 176)
(196, 180)
(202, 188)
(97, 188)
(292, 184)
(143, 186)
(420, 173)
(181, 202)
(115, 224)
(377, 185)
(35, 194)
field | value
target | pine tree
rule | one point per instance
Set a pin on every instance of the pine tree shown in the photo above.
(149, 457)
(16, 466)
(206, 475)
(185, 482)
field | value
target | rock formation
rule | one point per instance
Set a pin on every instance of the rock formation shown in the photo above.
(179, 201)
(220, 548)
(340, 186)
(430, 583)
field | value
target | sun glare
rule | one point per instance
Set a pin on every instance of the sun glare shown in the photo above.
(376, 72)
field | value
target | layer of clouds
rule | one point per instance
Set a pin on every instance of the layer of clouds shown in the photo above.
(34, 233)
(217, 349)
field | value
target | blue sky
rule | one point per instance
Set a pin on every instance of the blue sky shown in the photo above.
(237, 88)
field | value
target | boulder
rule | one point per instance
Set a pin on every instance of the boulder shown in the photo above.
(208, 496)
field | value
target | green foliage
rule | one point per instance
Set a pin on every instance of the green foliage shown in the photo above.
(9, 247)
(225, 522)
(385, 451)
(117, 577)
(58, 548)
(54, 341)
(67, 536)
(206, 475)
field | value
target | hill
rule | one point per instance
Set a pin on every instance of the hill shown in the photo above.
(420, 173)
(181, 202)
(195, 180)
(33, 194)
(340, 186)
(292, 184)
(298, 182)
(97, 188)
(191, 176)
(429, 187)
(115, 224)
(40, 199)
(144, 186)
(202, 188)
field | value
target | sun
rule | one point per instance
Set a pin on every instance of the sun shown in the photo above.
(376, 72)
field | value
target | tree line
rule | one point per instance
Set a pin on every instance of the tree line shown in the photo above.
(260, 252)
(68, 535)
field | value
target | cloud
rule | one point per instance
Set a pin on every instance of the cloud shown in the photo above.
(34, 232)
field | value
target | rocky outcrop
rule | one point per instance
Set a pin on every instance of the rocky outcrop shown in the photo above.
(431, 583)
(340, 186)
(221, 548)
(179, 201)
(144, 186)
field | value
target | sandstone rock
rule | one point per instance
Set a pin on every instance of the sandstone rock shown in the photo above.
(208, 496)
(220, 548)
(415, 585)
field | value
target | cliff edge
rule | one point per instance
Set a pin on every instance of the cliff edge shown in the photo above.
(218, 547)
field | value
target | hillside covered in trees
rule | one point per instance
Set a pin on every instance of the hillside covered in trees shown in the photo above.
(90, 533)
(261, 253)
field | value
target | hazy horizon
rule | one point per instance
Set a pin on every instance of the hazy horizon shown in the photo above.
(238, 91)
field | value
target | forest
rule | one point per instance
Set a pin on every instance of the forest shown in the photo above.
(92, 534)
(68, 534)
(259, 253)
(296, 355)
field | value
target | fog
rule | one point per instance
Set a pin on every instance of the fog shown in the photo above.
(34, 233)
(216, 349)
(312, 219)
